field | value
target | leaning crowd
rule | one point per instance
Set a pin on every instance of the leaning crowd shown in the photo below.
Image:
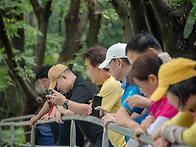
(141, 86)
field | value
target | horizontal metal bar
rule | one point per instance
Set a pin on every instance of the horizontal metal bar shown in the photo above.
(112, 126)
(17, 118)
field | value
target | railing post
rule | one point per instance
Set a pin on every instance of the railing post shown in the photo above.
(1, 135)
(12, 131)
(73, 133)
(105, 140)
(33, 136)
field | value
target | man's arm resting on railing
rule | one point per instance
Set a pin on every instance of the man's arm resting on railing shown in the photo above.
(123, 118)
(78, 108)
(136, 115)
(45, 109)
(64, 111)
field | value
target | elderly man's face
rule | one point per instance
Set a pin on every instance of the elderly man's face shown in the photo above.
(64, 83)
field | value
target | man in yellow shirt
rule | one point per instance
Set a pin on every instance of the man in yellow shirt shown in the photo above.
(111, 89)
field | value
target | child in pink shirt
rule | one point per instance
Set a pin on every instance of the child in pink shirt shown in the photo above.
(162, 111)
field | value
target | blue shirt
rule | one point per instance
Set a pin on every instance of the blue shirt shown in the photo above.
(130, 91)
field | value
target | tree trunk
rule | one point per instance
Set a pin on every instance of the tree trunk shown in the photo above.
(172, 23)
(14, 100)
(4, 107)
(136, 13)
(164, 22)
(75, 26)
(42, 15)
(121, 10)
(94, 23)
(59, 24)
(12, 95)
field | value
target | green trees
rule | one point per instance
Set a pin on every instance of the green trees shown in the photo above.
(165, 19)
(37, 32)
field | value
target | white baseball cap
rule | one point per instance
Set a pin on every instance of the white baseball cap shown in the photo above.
(114, 52)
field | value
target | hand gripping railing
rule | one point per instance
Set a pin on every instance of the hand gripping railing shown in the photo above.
(112, 126)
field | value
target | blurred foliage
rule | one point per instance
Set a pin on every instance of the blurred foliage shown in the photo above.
(110, 31)
(18, 139)
(12, 25)
(26, 72)
(30, 36)
(78, 63)
(54, 44)
(59, 11)
(15, 7)
(191, 19)
(5, 79)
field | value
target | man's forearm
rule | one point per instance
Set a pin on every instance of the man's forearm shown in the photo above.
(45, 109)
(123, 118)
(78, 108)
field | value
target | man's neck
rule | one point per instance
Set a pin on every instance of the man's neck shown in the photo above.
(125, 72)
(73, 77)
(104, 76)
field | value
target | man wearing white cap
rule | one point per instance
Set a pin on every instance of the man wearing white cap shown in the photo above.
(116, 60)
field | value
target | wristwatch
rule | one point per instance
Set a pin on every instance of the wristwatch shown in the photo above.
(65, 104)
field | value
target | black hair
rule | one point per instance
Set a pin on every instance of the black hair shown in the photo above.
(142, 42)
(96, 55)
(183, 90)
(42, 72)
(125, 60)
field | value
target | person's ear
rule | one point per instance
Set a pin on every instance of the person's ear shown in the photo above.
(120, 62)
(64, 76)
(152, 50)
(152, 78)
(99, 69)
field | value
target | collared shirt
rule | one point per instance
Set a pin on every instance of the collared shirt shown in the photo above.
(130, 91)
(82, 92)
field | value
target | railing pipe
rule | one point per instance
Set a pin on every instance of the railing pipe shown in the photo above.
(33, 136)
(1, 135)
(12, 131)
(73, 133)
(105, 142)
(17, 118)
(112, 126)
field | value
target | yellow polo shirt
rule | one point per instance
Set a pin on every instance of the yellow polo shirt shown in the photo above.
(111, 92)
(185, 119)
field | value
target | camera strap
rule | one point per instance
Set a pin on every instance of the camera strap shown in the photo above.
(50, 111)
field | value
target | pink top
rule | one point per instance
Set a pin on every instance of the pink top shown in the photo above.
(162, 108)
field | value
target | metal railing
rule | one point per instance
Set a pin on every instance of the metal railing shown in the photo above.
(112, 126)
